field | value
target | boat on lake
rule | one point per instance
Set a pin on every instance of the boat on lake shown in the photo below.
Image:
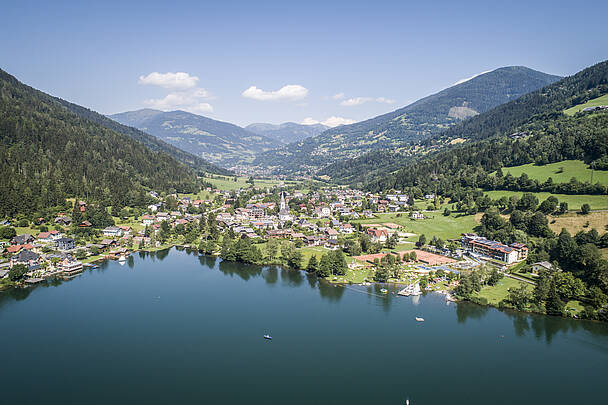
(418, 319)
(267, 337)
(384, 291)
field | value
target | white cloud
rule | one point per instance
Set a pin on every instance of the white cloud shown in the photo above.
(184, 95)
(361, 100)
(170, 80)
(190, 101)
(338, 96)
(385, 100)
(355, 101)
(289, 92)
(332, 121)
(469, 78)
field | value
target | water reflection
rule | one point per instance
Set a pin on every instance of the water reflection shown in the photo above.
(331, 292)
(271, 274)
(292, 278)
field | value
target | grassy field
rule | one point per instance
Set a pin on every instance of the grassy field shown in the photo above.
(597, 202)
(500, 291)
(602, 100)
(560, 172)
(574, 222)
(228, 184)
(435, 225)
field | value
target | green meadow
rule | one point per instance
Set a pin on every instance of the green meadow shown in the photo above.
(435, 224)
(597, 202)
(560, 172)
(602, 100)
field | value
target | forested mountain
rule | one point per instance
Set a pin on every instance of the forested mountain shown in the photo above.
(152, 142)
(49, 153)
(219, 142)
(531, 129)
(287, 132)
(415, 122)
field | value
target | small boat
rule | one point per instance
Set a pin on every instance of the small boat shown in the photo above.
(419, 319)
(122, 258)
(384, 291)
(267, 337)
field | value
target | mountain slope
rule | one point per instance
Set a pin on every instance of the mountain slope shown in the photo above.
(152, 142)
(531, 129)
(48, 153)
(417, 121)
(287, 132)
(219, 142)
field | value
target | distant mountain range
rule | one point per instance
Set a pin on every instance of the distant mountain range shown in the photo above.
(415, 122)
(530, 129)
(219, 142)
(287, 132)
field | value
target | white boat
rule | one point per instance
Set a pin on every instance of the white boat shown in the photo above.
(384, 291)
(122, 258)
(419, 319)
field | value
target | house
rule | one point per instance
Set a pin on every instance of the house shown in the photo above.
(50, 236)
(63, 220)
(85, 224)
(322, 212)
(22, 239)
(377, 235)
(346, 229)
(147, 220)
(540, 266)
(332, 233)
(112, 231)
(26, 257)
(69, 266)
(18, 248)
(417, 215)
(65, 243)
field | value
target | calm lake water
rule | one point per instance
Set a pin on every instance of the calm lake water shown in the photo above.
(175, 327)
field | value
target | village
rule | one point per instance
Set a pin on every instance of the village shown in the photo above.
(282, 218)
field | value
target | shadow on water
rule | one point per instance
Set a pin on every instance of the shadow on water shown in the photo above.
(330, 291)
(242, 270)
(271, 275)
(541, 327)
(291, 278)
(209, 261)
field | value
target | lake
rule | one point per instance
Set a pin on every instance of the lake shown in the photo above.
(176, 327)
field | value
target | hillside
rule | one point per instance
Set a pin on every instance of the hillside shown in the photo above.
(197, 163)
(287, 132)
(531, 129)
(48, 153)
(219, 142)
(415, 122)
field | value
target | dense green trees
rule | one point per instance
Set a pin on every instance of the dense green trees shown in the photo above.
(48, 153)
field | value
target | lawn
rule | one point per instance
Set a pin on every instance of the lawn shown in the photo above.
(500, 291)
(560, 172)
(225, 183)
(597, 202)
(602, 100)
(436, 224)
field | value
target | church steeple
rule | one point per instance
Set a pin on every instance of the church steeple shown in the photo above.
(283, 205)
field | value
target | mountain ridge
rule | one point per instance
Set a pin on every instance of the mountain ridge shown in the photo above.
(219, 142)
(414, 122)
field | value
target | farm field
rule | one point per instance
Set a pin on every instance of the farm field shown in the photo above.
(574, 222)
(560, 172)
(228, 184)
(435, 225)
(602, 100)
(597, 202)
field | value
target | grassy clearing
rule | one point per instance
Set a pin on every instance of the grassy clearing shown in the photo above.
(602, 100)
(560, 172)
(597, 202)
(228, 184)
(500, 291)
(574, 222)
(434, 225)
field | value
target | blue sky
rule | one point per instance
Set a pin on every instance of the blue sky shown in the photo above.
(347, 60)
